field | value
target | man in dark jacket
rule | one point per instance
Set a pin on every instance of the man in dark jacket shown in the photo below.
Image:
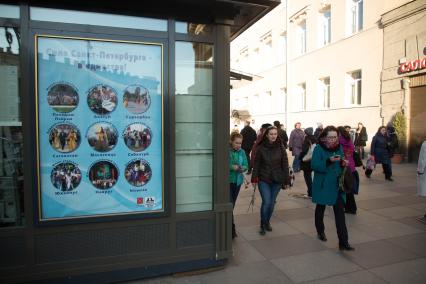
(305, 166)
(318, 130)
(249, 137)
(281, 133)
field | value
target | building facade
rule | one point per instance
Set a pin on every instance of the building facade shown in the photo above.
(333, 66)
(261, 53)
(404, 70)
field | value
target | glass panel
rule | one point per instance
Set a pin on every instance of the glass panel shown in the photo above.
(9, 11)
(11, 138)
(194, 68)
(193, 28)
(194, 165)
(98, 19)
(197, 136)
(195, 194)
(193, 108)
(194, 132)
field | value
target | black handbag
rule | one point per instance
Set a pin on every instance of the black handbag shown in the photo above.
(357, 159)
(346, 181)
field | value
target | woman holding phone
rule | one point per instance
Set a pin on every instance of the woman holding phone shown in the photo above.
(327, 161)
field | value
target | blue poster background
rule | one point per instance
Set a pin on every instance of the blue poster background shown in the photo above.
(84, 64)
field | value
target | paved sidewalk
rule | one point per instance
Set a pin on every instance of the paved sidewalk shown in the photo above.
(389, 241)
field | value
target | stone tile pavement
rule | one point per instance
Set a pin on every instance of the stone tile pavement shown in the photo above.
(389, 241)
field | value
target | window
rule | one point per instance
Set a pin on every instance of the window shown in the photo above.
(11, 136)
(325, 27)
(301, 37)
(193, 28)
(99, 19)
(268, 58)
(355, 89)
(193, 128)
(300, 100)
(356, 15)
(324, 93)
(281, 50)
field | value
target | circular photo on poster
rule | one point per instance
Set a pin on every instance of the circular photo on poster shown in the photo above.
(103, 174)
(65, 176)
(136, 99)
(102, 136)
(64, 137)
(138, 172)
(102, 99)
(137, 137)
(62, 97)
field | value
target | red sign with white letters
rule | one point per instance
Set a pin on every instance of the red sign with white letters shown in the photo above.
(413, 65)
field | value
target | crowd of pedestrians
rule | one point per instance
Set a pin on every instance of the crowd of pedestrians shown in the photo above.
(328, 157)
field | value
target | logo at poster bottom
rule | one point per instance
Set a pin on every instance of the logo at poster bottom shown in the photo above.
(103, 174)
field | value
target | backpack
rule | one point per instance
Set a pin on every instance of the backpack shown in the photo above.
(308, 156)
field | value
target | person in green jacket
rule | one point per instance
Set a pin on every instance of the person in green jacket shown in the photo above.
(327, 161)
(237, 166)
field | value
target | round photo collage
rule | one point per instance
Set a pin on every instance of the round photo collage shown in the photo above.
(101, 136)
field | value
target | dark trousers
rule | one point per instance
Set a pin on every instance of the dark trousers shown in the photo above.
(350, 205)
(387, 169)
(234, 190)
(307, 175)
(339, 217)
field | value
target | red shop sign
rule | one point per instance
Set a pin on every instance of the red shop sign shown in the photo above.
(414, 65)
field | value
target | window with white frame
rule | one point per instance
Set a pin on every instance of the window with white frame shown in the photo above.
(325, 26)
(300, 99)
(324, 93)
(301, 37)
(278, 105)
(354, 87)
(244, 55)
(281, 49)
(267, 54)
(356, 15)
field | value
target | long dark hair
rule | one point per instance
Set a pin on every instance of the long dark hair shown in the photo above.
(378, 130)
(265, 139)
(342, 131)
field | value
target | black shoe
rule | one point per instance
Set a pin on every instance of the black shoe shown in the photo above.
(346, 247)
(262, 230)
(322, 237)
(389, 179)
(268, 227)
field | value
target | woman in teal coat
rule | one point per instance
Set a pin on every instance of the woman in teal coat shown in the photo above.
(326, 163)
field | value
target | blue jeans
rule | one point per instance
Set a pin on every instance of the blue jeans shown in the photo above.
(269, 193)
(296, 163)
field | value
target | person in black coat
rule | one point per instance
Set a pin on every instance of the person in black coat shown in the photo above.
(281, 133)
(381, 151)
(361, 138)
(249, 137)
(270, 171)
(305, 166)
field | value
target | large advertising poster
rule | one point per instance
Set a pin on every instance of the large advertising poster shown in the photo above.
(100, 127)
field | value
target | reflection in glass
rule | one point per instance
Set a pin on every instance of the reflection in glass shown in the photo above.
(11, 137)
(194, 28)
(193, 128)
(99, 19)
(194, 68)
